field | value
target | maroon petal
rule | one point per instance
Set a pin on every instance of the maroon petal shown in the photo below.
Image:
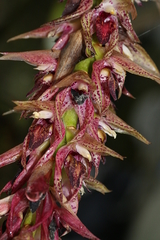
(49, 153)
(127, 93)
(60, 158)
(106, 24)
(62, 41)
(7, 187)
(11, 155)
(15, 217)
(75, 224)
(38, 182)
(25, 173)
(44, 213)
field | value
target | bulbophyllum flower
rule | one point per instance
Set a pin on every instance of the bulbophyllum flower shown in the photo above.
(72, 106)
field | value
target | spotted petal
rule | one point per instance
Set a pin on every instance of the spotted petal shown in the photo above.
(87, 32)
(44, 60)
(125, 5)
(120, 126)
(142, 58)
(100, 97)
(25, 173)
(133, 67)
(94, 146)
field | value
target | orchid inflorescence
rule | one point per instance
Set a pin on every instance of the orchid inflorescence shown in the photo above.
(73, 109)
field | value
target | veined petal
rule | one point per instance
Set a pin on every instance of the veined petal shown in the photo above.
(123, 8)
(133, 67)
(93, 145)
(120, 126)
(127, 52)
(45, 60)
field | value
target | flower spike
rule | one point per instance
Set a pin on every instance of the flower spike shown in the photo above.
(72, 105)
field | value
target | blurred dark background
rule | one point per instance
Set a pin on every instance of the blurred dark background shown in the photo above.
(132, 210)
